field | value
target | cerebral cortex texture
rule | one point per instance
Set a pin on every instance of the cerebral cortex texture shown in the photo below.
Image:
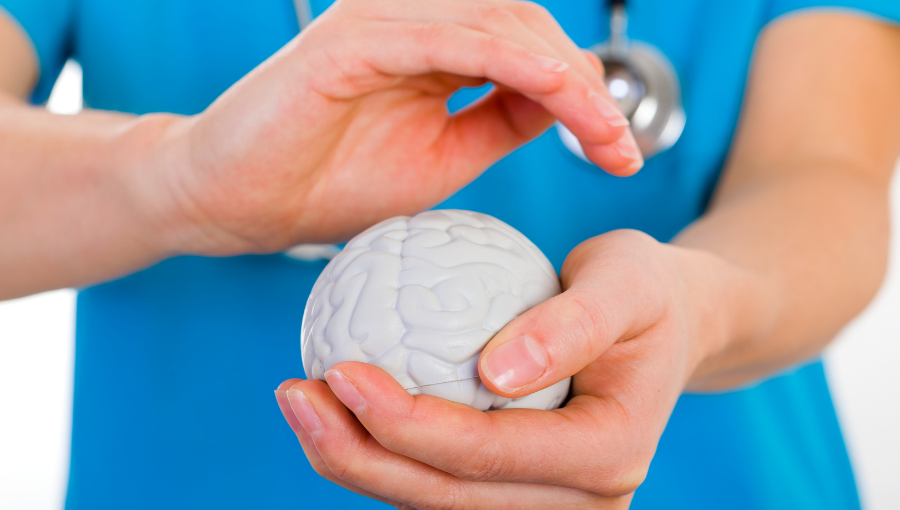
(421, 296)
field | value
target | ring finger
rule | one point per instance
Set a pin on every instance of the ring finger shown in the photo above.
(352, 456)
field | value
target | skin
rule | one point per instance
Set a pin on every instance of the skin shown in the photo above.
(793, 245)
(328, 136)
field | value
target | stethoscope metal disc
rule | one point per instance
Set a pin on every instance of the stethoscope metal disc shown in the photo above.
(646, 87)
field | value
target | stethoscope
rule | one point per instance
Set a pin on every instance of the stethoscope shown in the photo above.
(644, 83)
(637, 75)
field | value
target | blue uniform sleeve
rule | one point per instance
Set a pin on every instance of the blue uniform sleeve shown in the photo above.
(885, 10)
(49, 25)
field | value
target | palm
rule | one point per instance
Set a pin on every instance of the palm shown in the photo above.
(387, 152)
(334, 133)
(401, 153)
(638, 381)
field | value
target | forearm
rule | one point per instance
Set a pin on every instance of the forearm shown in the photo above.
(71, 210)
(802, 252)
(799, 222)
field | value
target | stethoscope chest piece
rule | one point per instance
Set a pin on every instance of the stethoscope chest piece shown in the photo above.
(644, 83)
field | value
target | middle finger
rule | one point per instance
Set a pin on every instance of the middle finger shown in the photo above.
(588, 445)
(355, 457)
(532, 27)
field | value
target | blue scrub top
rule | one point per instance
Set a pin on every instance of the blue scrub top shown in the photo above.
(175, 365)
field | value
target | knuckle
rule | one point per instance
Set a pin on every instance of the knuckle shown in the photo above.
(493, 44)
(584, 318)
(636, 254)
(342, 469)
(427, 32)
(630, 236)
(429, 35)
(495, 15)
(349, 466)
(482, 466)
(483, 471)
(454, 496)
(342, 69)
(626, 480)
(625, 474)
(531, 12)
(320, 467)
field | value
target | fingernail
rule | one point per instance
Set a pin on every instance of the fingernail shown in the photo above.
(516, 363)
(345, 390)
(627, 148)
(304, 411)
(635, 167)
(550, 65)
(609, 110)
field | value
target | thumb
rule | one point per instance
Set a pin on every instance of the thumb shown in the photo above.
(610, 295)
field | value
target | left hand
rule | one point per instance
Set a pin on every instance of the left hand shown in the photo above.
(634, 321)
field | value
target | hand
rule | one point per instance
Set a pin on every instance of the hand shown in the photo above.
(635, 319)
(348, 125)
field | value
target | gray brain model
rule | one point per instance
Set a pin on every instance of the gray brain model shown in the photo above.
(420, 297)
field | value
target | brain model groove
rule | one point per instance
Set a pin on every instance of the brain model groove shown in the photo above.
(421, 296)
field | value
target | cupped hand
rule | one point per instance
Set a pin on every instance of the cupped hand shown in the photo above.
(635, 319)
(348, 124)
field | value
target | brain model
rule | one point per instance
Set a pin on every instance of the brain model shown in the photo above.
(420, 297)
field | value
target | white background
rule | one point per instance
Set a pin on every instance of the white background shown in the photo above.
(36, 357)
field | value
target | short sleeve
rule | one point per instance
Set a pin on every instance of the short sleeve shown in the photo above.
(49, 25)
(886, 10)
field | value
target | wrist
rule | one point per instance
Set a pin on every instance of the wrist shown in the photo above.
(152, 155)
(732, 307)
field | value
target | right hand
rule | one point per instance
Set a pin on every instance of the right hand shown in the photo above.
(348, 125)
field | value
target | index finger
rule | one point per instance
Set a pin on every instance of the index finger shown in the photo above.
(542, 23)
(545, 27)
(511, 445)
(358, 461)
(582, 103)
